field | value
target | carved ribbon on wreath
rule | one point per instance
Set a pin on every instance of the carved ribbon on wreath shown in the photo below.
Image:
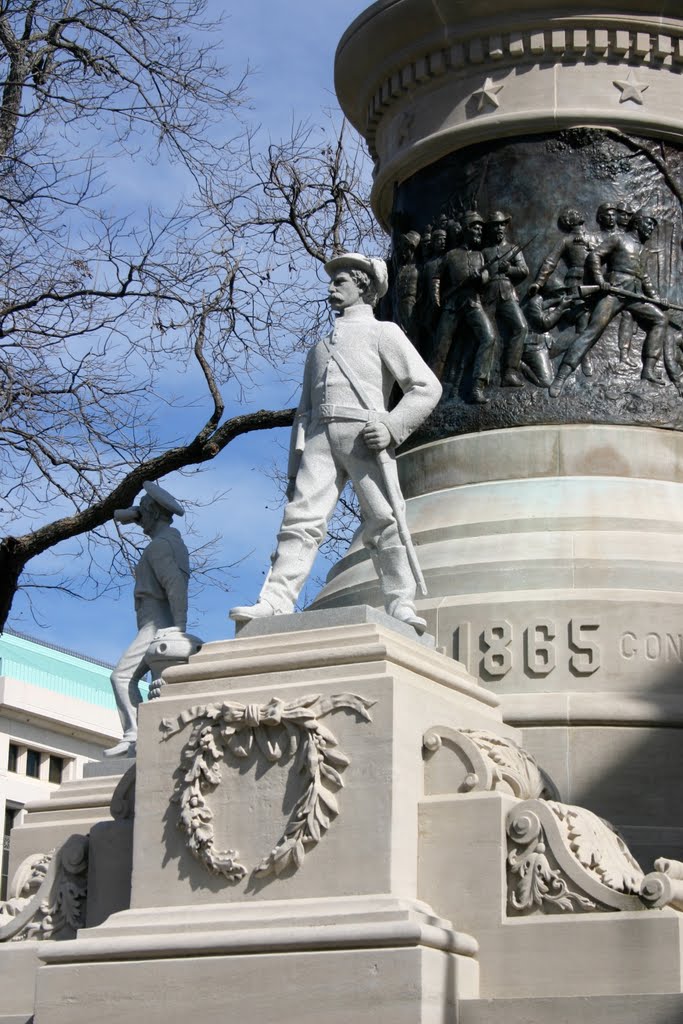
(278, 729)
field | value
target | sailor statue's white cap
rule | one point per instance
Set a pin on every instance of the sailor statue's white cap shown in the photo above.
(376, 268)
(163, 498)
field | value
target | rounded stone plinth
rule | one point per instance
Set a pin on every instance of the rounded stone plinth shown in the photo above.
(554, 562)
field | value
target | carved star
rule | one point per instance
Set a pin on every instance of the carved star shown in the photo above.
(631, 88)
(488, 94)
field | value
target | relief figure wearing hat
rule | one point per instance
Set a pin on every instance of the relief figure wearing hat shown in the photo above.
(161, 583)
(406, 281)
(345, 430)
(507, 268)
(571, 252)
(430, 286)
(463, 277)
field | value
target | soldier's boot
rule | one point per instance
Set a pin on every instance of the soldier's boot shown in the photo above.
(398, 586)
(555, 388)
(263, 609)
(587, 364)
(512, 378)
(291, 565)
(478, 393)
(649, 372)
(126, 748)
(537, 365)
(127, 698)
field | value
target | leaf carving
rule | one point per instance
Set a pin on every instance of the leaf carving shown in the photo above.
(599, 849)
(236, 728)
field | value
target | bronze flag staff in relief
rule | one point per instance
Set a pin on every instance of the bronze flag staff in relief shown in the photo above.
(344, 430)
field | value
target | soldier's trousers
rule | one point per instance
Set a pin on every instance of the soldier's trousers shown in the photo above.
(152, 615)
(509, 313)
(644, 313)
(473, 315)
(335, 453)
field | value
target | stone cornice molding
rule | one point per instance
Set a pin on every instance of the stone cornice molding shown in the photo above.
(588, 40)
(459, 82)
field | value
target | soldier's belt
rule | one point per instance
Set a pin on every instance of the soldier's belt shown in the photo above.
(329, 412)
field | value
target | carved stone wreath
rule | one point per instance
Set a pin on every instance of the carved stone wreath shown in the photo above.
(278, 730)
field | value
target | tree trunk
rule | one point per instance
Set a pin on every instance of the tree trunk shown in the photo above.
(13, 558)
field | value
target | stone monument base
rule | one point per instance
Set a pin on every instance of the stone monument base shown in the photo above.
(346, 959)
(426, 870)
(340, 932)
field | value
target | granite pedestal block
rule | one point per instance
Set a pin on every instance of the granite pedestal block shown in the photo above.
(345, 914)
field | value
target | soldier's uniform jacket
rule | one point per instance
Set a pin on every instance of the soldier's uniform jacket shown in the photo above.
(162, 574)
(500, 287)
(573, 251)
(379, 355)
(431, 276)
(460, 282)
(626, 261)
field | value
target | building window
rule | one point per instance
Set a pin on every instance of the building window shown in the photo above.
(37, 764)
(33, 763)
(56, 768)
(10, 815)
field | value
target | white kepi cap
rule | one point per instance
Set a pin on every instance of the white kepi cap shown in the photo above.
(163, 498)
(376, 268)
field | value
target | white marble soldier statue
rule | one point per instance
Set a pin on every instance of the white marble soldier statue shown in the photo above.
(344, 430)
(161, 581)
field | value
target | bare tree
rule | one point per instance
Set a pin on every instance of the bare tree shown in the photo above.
(99, 299)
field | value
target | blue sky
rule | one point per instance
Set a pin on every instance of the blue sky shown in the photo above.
(290, 50)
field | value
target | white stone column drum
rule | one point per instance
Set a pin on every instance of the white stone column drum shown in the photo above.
(554, 562)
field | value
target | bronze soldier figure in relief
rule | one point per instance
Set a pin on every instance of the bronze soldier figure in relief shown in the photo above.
(506, 268)
(463, 277)
(626, 286)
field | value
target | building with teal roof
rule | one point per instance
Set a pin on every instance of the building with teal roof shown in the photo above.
(57, 713)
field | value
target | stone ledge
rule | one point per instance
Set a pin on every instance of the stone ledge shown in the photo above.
(352, 616)
(272, 927)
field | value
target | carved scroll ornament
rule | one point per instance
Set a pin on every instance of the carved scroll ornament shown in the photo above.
(48, 894)
(663, 887)
(277, 730)
(565, 859)
(492, 762)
